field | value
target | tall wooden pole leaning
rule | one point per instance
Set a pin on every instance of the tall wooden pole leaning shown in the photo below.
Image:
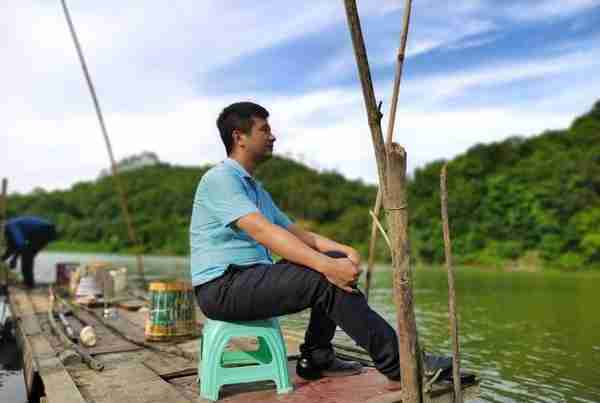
(3, 202)
(451, 290)
(113, 165)
(391, 167)
(389, 136)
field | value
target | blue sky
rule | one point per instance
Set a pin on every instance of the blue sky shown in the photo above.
(477, 71)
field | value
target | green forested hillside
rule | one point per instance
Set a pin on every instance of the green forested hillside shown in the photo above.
(88, 215)
(519, 197)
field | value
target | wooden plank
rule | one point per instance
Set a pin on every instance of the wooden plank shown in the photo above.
(164, 364)
(58, 385)
(128, 382)
(107, 341)
(39, 354)
(23, 311)
(136, 319)
(39, 300)
(29, 363)
(125, 326)
(41, 346)
(190, 346)
(366, 387)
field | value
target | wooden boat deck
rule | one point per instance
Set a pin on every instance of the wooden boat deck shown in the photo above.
(134, 373)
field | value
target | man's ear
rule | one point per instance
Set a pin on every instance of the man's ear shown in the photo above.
(237, 136)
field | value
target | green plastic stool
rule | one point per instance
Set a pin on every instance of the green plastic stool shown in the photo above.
(219, 367)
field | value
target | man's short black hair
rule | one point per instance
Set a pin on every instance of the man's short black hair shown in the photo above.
(238, 116)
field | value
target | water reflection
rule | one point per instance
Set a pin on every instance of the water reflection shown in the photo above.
(12, 388)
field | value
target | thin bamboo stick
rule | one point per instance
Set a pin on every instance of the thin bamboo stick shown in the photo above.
(372, 245)
(3, 202)
(113, 165)
(391, 168)
(451, 289)
(381, 229)
(389, 135)
(399, 68)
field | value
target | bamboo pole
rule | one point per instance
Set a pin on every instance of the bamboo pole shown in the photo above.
(113, 166)
(391, 167)
(389, 135)
(397, 217)
(373, 114)
(3, 202)
(451, 289)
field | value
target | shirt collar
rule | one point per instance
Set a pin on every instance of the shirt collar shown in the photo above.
(237, 167)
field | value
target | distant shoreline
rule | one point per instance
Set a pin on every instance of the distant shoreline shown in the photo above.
(530, 263)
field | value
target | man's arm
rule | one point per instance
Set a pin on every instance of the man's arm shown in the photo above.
(341, 272)
(324, 244)
(16, 235)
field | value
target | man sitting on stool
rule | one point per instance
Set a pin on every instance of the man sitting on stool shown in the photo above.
(235, 228)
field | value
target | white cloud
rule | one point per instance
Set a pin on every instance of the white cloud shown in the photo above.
(441, 86)
(186, 134)
(466, 43)
(544, 9)
(148, 63)
(436, 28)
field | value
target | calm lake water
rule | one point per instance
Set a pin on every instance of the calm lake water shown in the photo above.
(532, 337)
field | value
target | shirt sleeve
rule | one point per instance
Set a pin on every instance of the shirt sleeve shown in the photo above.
(224, 196)
(279, 217)
(17, 236)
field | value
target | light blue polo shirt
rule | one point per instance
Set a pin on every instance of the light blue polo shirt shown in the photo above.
(226, 193)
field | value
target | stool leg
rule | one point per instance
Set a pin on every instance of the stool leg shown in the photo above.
(208, 389)
(279, 354)
(271, 357)
(264, 354)
(211, 364)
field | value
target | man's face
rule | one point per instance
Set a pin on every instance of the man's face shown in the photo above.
(258, 144)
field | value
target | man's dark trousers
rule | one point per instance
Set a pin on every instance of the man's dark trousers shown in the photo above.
(269, 290)
(27, 261)
(27, 268)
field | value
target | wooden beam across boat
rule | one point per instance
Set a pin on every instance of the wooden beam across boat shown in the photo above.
(134, 373)
(40, 358)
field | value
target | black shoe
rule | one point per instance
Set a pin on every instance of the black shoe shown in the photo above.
(437, 366)
(307, 370)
